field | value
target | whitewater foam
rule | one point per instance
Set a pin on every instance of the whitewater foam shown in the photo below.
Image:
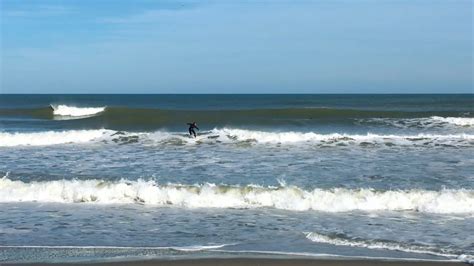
(178, 248)
(458, 121)
(77, 112)
(338, 138)
(342, 240)
(49, 137)
(224, 196)
(227, 135)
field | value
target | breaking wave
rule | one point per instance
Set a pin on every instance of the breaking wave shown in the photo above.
(227, 135)
(341, 139)
(49, 137)
(66, 111)
(459, 121)
(225, 196)
(343, 240)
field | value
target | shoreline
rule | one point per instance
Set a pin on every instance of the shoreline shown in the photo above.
(253, 261)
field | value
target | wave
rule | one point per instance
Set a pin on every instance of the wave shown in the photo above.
(229, 135)
(462, 258)
(75, 112)
(176, 248)
(422, 122)
(458, 121)
(343, 240)
(224, 196)
(343, 139)
(49, 137)
(132, 118)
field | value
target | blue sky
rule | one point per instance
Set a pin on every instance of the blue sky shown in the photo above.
(92, 46)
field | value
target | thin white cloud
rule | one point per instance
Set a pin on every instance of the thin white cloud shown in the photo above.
(148, 16)
(38, 11)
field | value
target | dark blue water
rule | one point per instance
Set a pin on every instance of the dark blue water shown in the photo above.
(400, 102)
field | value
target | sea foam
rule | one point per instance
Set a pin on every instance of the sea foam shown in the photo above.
(337, 139)
(224, 196)
(459, 121)
(49, 137)
(229, 135)
(342, 240)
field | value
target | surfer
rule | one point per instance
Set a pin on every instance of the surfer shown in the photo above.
(192, 126)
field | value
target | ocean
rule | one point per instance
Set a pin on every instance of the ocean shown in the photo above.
(117, 177)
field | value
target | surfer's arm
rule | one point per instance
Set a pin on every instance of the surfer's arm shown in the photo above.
(197, 128)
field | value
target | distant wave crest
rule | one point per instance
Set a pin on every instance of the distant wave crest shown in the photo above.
(225, 196)
(76, 112)
(422, 122)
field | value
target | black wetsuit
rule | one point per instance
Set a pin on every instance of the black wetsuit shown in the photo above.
(192, 126)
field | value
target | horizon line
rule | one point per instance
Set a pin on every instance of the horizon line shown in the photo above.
(320, 93)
